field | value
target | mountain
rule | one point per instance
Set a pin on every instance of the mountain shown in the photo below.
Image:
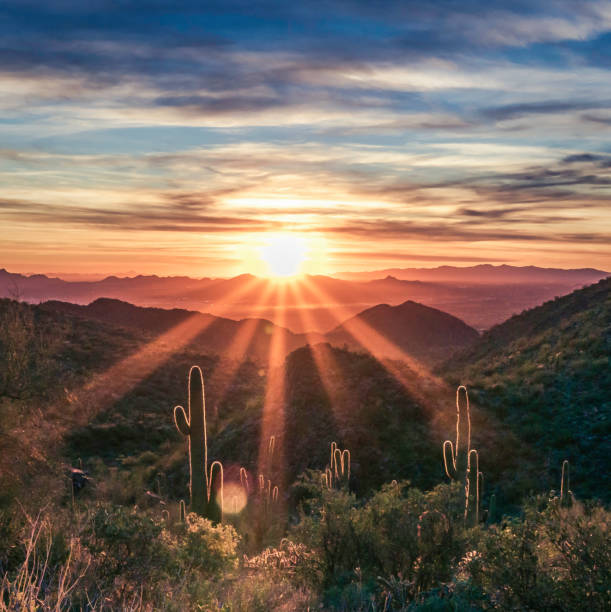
(487, 274)
(481, 296)
(547, 374)
(245, 339)
(424, 333)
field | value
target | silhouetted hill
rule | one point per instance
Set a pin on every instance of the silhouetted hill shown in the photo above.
(547, 373)
(245, 339)
(422, 332)
(391, 331)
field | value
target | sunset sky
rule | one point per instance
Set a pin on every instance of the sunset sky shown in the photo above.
(186, 137)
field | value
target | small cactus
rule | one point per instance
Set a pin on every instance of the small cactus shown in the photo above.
(337, 474)
(182, 511)
(244, 480)
(201, 477)
(566, 495)
(491, 517)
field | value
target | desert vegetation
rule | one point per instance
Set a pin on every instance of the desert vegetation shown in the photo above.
(367, 498)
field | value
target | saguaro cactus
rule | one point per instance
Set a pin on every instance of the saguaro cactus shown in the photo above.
(201, 477)
(566, 495)
(456, 457)
(461, 462)
(337, 474)
(491, 517)
(474, 489)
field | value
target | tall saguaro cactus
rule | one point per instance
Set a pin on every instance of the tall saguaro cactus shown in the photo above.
(456, 456)
(461, 462)
(201, 477)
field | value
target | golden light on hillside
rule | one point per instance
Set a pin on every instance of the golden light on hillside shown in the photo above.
(284, 255)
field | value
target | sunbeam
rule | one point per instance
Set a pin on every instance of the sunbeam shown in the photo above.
(106, 388)
(323, 357)
(373, 341)
(272, 419)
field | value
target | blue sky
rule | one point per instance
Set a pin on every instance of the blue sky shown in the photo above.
(180, 137)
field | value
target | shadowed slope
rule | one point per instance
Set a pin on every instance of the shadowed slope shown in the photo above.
(424, 333)
(248, 338)
(547, 374)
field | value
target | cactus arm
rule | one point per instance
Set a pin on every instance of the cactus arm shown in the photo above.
(329, 477)
(332, 461)
(338, 464)
(480, 496)
(471, 488)
(449, 460)
(346, 464)
(181, 421)
(215, 494)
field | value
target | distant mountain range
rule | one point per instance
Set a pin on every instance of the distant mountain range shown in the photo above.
(481, 295)
(486, 274)
(410, 329)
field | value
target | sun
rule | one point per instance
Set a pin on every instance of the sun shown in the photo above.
(284, 255)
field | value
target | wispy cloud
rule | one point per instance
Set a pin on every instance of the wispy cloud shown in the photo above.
(427, 122)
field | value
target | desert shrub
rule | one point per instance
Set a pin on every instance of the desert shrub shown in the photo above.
(28, 341)
(126, 544)
(262, 591)
(204, 547)
(551, 558)
(402, 533)
(48, 574)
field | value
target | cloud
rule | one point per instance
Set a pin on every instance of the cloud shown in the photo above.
(153, 218)
(402, 256)
(513, 111)
(427, 120)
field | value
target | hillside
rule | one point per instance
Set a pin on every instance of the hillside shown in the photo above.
(547, 374)
(390, 331)
(424, 333)
(99, 396)
(106, 392)
(245, 339)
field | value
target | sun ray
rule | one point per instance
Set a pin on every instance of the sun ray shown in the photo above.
(373, 341)
(272, 418)
(323, 357)
(240, 344)
(107, 387)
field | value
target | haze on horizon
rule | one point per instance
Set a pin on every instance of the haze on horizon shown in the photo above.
(190, 138)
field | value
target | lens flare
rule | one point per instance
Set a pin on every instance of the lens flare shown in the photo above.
(234, 498)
